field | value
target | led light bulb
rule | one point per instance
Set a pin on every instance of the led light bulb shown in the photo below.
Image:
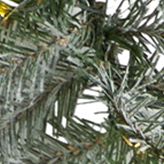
(10, 3)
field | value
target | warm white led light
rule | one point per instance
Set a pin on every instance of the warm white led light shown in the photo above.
(10, 3)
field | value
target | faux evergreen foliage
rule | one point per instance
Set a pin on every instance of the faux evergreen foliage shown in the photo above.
(51, 52)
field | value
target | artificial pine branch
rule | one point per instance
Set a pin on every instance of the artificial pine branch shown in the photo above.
(51, 52)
